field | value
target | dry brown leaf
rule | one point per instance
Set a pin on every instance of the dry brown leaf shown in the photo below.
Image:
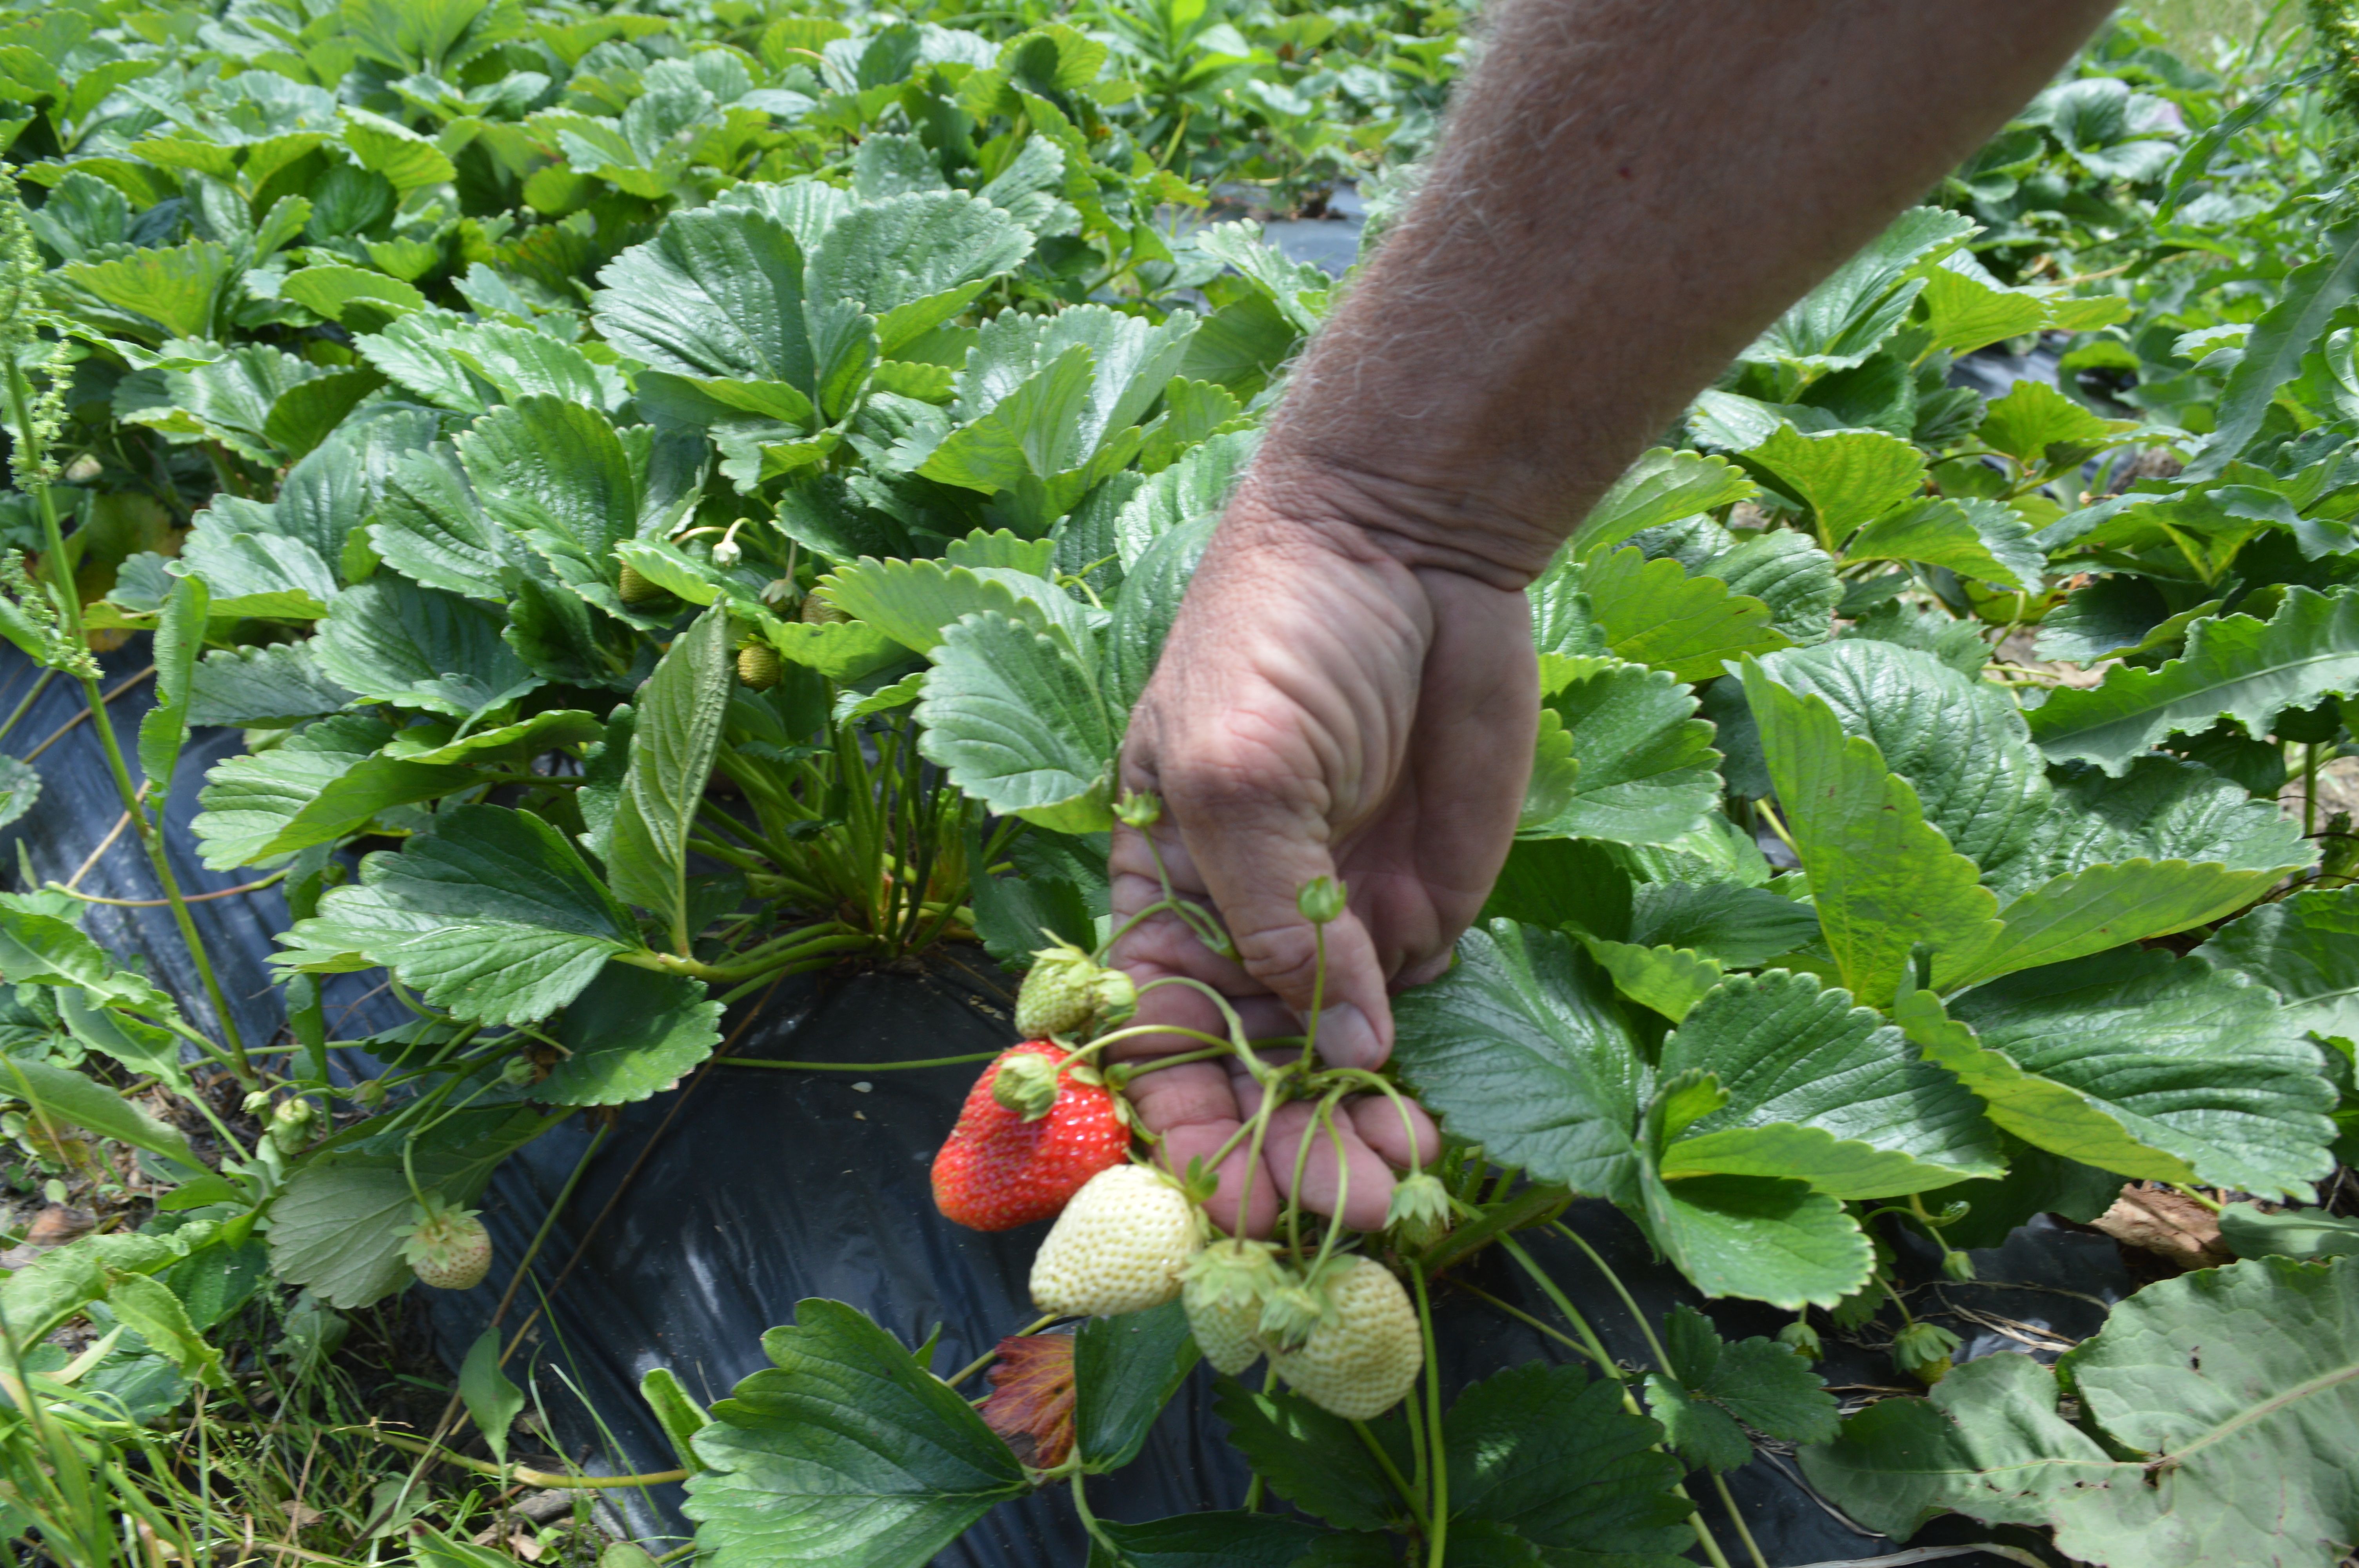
(53, 1227)
(2168, 1225)
(1031, 1401)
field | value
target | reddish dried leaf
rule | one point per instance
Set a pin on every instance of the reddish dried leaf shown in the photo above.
(1031, 1401)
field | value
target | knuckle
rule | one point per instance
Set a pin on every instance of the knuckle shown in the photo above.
(1285, 959)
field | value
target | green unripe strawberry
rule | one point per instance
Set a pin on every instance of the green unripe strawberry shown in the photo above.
(1802, 1340)
(634, 587)
(818, 611)
(1069, 994)
(1419, 1215)
(447, 1248)
(1923, 1350)
(1223, 1292)
(758, 665)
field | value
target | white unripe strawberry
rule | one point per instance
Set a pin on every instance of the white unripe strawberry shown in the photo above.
(1119, 1247)
(1365, 1356)
(447, 1248)
(1223, 1293)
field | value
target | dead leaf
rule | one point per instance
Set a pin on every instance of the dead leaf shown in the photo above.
(1031, 1400)
(2168, 1225)
(52, 1228)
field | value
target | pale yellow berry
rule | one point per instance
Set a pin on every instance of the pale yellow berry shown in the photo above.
(1366, 1356)
(1119, 1245)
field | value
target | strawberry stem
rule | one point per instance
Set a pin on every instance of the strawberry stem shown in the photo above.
(858, 1067)
(1438, 1538)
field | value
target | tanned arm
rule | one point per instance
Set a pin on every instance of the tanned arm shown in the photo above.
(1627, 192)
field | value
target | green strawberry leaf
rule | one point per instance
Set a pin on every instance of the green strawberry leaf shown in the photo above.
(1315, 1460)
(317, 786)
(631, 1034)
(1772, 1240)
(1641, 766)
(493, 915)
(845, 1448)
(1882, 877)
(1670, 981)
(1548, 1451)
(2219, 1381)
(913, 601)
(1761, 1382)
(180, 638)
(1973, 538)
(1736, 925)
(59, 1094)
(1125, 1369)
(2305, 308)
(1988, 1442)
(676, 737)
(2234, 666)
(1821, 1091)
(1663, 486)
(2303, 948)
(1845, 319)
(391, 640)
(1521, 1049)
(1016, 719)
(560, 477)
(1841, 478)
(2206, 1076)
(1654, 612)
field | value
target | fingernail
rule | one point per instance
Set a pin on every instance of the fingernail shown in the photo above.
(1347, 1039)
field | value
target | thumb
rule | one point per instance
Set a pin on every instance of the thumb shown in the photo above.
(1256, 856)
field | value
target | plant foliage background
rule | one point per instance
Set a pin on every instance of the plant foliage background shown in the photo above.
(677, 496)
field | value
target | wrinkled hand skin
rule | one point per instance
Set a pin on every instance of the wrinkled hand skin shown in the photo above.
(1320, 709)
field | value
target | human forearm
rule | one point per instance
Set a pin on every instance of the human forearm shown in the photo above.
(1628, 192)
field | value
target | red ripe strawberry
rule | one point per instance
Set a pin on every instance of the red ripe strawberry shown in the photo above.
(999, 1169)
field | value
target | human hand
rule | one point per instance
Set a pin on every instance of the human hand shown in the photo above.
(1320, 709)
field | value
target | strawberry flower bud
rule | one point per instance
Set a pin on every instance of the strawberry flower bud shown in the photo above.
(291, 1121)
(1321, 900)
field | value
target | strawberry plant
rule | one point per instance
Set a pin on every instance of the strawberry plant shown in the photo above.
(677, 498)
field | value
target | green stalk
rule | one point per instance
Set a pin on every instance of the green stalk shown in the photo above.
(1704, 1535)
(25, 705)
(1438, 1538)
(1392, 1473)
(1728, 1503)
(2309, 789)
(53, 563)
(858, 1067)
(1645, 1329)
